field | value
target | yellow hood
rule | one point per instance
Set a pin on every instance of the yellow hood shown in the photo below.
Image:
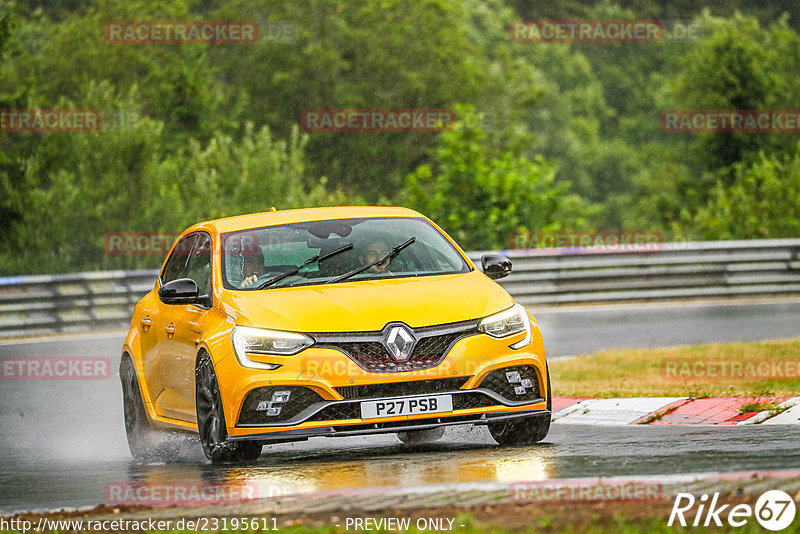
(368, 305)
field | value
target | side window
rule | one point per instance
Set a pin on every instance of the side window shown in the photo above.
(198, 268)
(176, 264)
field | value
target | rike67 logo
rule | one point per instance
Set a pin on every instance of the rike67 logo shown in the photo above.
(774, 510)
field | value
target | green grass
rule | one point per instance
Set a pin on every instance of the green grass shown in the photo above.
(684, 371)
(758, 407)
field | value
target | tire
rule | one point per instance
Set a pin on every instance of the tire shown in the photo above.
(145, 443)
(430, 435)
(524, 431)
(211, 419)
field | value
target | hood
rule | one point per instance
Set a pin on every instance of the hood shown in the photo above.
(369, 305)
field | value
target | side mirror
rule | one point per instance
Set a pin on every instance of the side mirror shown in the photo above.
(180, 291)
(495, 266)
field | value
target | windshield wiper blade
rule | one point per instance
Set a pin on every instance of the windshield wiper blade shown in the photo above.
(318, 258)
(396, 250)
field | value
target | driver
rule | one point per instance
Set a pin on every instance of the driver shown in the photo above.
(253, 267)
(375, 250)
(247, 258)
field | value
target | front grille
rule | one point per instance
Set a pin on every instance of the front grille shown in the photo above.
(335, 412)
(466, 401)
(300, 398)
(368, 354)
(401, 389)
(368, 349)
(373, 356)
(498, 381)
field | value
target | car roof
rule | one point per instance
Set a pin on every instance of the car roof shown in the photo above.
(271, 218)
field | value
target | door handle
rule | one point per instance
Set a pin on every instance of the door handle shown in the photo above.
(146, 322)
(170, 330)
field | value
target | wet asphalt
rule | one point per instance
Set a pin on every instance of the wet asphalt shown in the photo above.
(63, 442)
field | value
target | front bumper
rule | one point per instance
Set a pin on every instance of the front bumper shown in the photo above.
(303, 405)
(387, 427)
(336, 385)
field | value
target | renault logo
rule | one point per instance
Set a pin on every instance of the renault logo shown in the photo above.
(400, 342)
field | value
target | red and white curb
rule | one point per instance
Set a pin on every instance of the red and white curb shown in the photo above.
(675, 411)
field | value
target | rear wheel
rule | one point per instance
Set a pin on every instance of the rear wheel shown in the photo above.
(524, 431)
(211, 419)
(145, 443)
(421, 436)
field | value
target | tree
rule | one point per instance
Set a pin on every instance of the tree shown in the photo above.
(367, 54)
(739, 66)
(762, 202)
(481, 199)
(123, 181)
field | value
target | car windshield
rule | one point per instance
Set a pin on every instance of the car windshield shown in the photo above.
(259, 256)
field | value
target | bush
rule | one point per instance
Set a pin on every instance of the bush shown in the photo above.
(481, 199)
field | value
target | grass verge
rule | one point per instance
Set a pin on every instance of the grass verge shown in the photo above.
(743, 369)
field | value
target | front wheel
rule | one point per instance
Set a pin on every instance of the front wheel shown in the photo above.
(211, 419)
(523, 432)
(145, 443)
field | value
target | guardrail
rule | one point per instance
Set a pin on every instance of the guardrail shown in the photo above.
(542, 277)
(70, 302)
(710, 269)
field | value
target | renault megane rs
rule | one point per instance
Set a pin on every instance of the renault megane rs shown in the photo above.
(282, 326)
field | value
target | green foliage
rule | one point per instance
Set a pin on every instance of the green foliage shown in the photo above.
(123, 182)
(740, 66)
(480, 198)
(365, 54)
(729, 185)
(762, 202)
(249, 174)
(569, 138)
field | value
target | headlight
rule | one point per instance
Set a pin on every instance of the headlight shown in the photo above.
(262, 341)
(508, 322)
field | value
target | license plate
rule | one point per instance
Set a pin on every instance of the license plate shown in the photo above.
(406, 406)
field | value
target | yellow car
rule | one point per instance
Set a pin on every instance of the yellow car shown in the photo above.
(286, 325)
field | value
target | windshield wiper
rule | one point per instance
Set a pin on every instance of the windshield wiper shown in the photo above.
(319, 258)
(360, 270)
